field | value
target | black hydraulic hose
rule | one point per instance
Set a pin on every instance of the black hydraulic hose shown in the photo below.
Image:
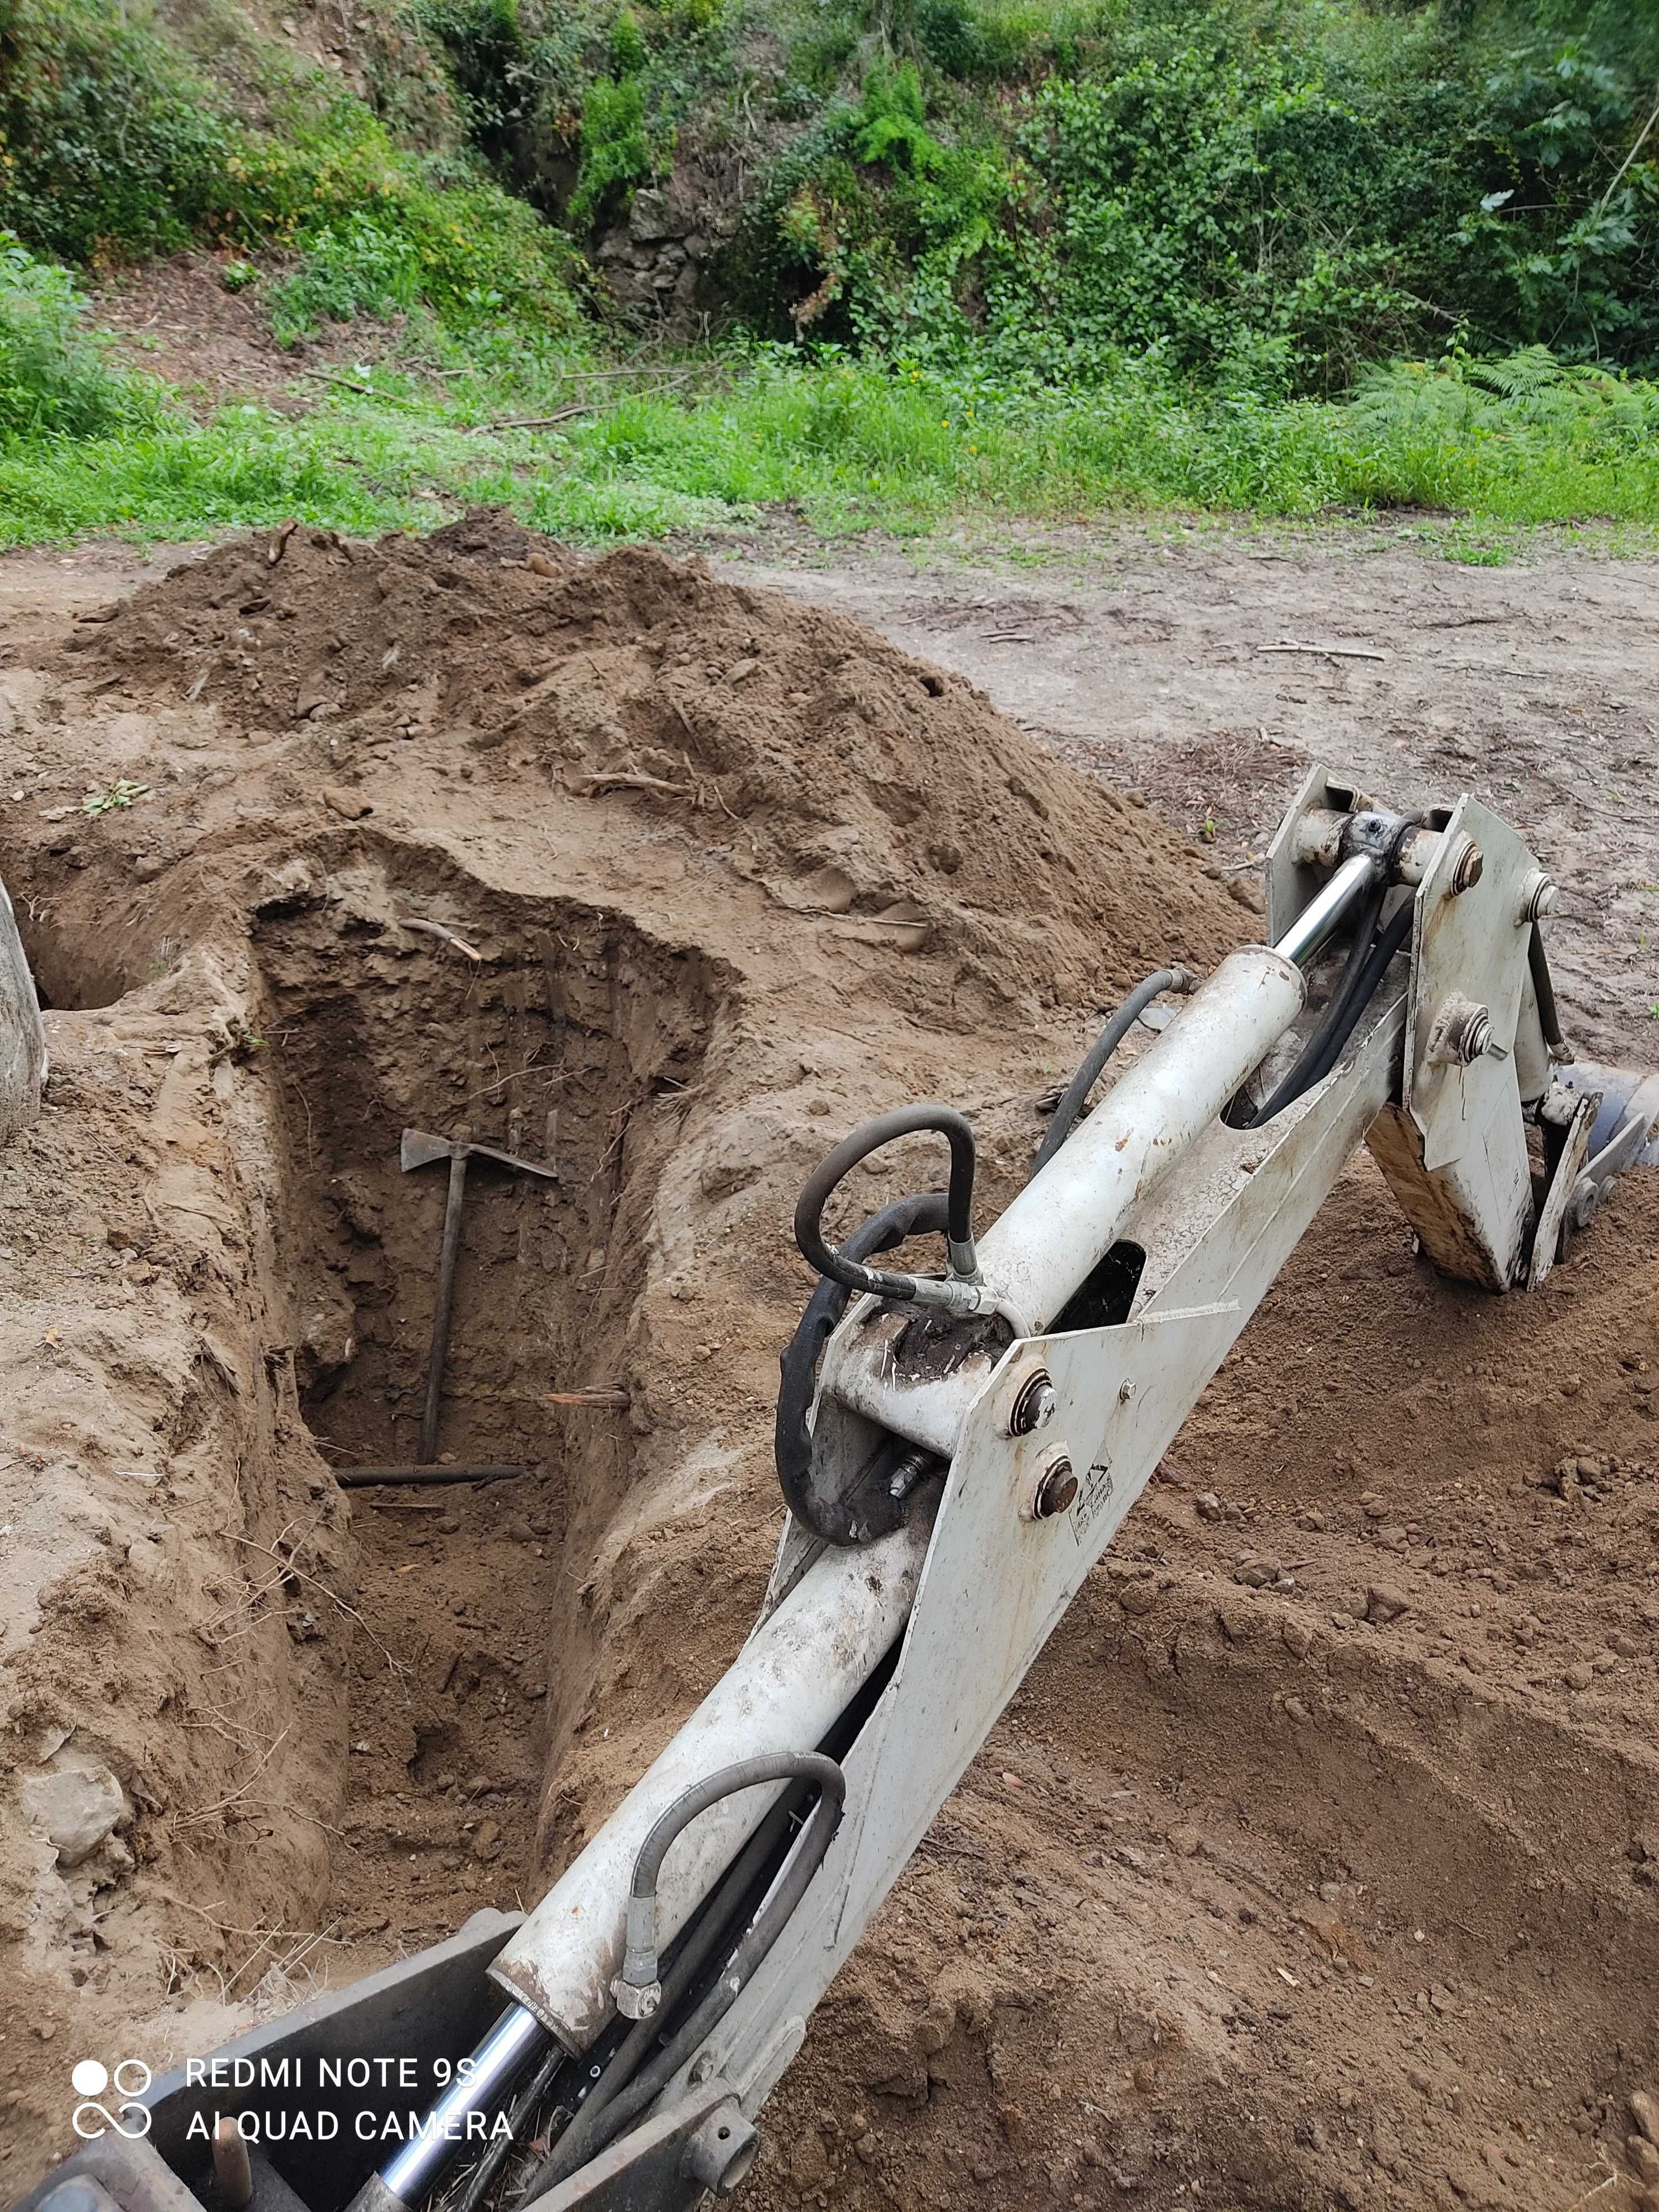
(905, 1121)
(714, 1925)
(793, 1442)
(477, 2186)
(640, 1965)
(1543, 989)
(1070, 1109)
(596, 2125)
(1371, 971)
(1300, 1076)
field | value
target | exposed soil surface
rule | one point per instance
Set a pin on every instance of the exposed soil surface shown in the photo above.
(1155, 662)
(176, 319)
(1326, 1885)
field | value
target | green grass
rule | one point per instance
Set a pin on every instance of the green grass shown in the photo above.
(853, 446)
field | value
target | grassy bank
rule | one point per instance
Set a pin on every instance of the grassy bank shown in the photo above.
(974, 261)
(851, 445)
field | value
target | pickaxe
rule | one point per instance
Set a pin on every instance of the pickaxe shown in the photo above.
(419, 1149)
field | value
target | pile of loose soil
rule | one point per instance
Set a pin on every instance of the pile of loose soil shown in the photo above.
(849, 779)
(1284, 1896)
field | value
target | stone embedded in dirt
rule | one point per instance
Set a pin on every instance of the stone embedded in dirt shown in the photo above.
(937, 2025)
(809, 2162)
(1644, 2157)
(1207, 1505)
(1383, 1604)
(1579, 1676)
(75, 1810)
(351, 804)
(1185, 1840)
(1643, 2109)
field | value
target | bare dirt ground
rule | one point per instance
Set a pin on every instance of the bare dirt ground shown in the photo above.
(1338, 1894)
(1535, 685)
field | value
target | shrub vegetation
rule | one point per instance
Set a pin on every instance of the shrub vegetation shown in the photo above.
(1010, 255)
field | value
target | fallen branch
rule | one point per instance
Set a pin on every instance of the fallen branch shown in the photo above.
(363, 390)
(541, 422)
(437, 929)
(361, 1478)
(575, 407)
(1336, 652)
(637, 779)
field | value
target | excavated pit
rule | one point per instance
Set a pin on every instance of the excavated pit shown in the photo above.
(1327, 1885)
(556, 1044)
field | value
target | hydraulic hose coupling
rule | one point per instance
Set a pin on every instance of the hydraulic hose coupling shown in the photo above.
(637, 1991)
(960, 1291)
(638, 1987)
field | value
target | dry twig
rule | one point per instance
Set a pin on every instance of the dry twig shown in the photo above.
(437, 929)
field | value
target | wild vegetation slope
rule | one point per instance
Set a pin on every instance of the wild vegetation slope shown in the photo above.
(1015, 253)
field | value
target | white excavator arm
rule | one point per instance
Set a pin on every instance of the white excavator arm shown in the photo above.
(957, 1451)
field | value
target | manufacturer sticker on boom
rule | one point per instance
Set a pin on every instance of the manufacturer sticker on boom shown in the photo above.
(1094, 1495)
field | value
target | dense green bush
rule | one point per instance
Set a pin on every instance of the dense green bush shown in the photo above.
(1262, 193)
(110, 148)
(55, 379)
(113, 149)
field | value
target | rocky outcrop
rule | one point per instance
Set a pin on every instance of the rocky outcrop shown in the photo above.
(656, 266)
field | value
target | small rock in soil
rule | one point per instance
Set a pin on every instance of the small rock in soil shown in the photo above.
(809, 2162)
(78, 1811)
(1383, 1605)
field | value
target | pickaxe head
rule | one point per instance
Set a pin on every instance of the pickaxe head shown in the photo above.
(420, 1148)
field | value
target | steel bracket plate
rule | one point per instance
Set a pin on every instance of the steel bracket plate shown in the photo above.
(1287, 883)
(650, 2169)
(1569, 1165)
(1455, 1155)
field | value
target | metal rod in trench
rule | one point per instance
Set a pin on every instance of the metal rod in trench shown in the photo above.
(427, 1451)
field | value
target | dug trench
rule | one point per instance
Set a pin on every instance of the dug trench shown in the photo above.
(1311, 1865)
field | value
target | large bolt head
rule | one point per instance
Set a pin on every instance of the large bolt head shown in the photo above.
(1466, 869)
(1538, 895)
(1584, 1205)
(1056, 1489)
(1034, 1405)
(721, 2152)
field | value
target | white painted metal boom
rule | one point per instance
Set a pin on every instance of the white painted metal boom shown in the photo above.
(1045, 1444)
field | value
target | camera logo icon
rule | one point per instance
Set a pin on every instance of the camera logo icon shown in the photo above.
(130, 2078)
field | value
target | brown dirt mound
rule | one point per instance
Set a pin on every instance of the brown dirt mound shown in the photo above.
(854, 780)
(1331, 1894)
